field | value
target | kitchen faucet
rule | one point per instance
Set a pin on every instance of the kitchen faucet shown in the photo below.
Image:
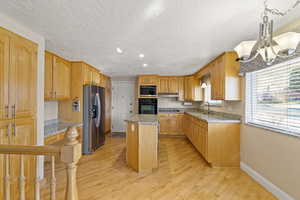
(208, 107)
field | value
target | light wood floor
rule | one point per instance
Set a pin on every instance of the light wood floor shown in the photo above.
(182, 175)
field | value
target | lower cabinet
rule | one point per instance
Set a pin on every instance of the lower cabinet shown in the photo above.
(171, 124)
(18, 132)
(218, 143)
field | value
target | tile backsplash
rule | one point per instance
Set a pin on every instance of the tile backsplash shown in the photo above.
(172, 102)
(51, 110)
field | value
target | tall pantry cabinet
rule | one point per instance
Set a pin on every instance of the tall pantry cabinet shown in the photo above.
(18, 67)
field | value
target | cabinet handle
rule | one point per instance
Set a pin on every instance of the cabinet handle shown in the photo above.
(9, 130)
(6, 111)
(13, 107)
(55, 94)
(14, 130)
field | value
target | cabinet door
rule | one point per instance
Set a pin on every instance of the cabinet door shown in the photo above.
(96, 78)
(88, 75)
(181, 89)
(61, 79)
(173, 124)
(163, 85)
(173, 85)
(4, 69)
(220, 67)
(163, 123)
(107, 125)
(48, 91)
(22, 77)
(23, 133)
(132, 145)
(148, 80)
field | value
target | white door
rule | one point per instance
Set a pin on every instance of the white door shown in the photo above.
(123, 97)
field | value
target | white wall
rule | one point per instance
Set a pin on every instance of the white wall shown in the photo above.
(25, 32)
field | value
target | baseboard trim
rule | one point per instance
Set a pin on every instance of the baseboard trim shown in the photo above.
(268, 185)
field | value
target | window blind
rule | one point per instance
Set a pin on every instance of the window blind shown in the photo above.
(273, 97)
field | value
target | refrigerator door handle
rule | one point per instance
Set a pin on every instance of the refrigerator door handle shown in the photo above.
(99, 110)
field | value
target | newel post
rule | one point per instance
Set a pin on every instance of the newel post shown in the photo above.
(70, 155)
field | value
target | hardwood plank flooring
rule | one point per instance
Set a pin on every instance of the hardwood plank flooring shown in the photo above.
(182, 175)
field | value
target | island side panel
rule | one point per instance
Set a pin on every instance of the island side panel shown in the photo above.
(132, 145)
(148, 147)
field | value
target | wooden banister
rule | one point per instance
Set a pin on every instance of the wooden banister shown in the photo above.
(69, 153)
(29, 150)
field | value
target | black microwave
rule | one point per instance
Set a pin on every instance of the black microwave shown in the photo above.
(148, 90)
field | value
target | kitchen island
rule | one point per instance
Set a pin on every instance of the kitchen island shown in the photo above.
(142, 142)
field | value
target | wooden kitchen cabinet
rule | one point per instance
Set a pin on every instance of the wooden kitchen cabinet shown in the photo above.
(57, 78)
(18, 67)
(225, 81)
(108, 99)
(181, 89)
(4, 73)
(91, 75)
(171, 124)
(218, 143)
(168, 85)
(192, 89)
(147, 80)
(163, 85)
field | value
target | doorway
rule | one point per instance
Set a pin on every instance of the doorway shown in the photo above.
(123, 97)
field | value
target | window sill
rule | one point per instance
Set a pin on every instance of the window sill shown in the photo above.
(274, 129)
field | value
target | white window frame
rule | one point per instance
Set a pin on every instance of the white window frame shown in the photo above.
(248, 109)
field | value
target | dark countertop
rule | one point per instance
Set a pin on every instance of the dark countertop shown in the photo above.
(53, 127)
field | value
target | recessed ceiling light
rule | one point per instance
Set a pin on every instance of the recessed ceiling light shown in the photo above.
(119, 50)
(141, 55)
(145, 65)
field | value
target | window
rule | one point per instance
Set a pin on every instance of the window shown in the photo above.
(273, 97)
(207, 93)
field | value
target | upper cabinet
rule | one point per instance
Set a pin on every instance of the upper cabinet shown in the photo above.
(168, 84)
(57, 78)
(18, 64)
(225, 80)
(148, 80)
(192, 89)
(91, 75)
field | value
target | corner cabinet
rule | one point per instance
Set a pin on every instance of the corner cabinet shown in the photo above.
(192, 91)
(225, 80)
(57, 78)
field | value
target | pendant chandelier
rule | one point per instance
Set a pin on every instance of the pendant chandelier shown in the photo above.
(267, 46)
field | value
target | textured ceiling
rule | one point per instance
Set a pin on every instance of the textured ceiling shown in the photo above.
(176, 36)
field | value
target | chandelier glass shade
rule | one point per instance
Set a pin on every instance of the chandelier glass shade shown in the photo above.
(268, 47)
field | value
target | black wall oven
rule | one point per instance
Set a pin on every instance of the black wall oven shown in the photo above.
(148, 90)
(148, 106)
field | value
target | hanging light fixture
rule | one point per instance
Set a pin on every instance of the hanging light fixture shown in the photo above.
(267, 46)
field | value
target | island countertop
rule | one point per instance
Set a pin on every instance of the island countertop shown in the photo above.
(144, 119)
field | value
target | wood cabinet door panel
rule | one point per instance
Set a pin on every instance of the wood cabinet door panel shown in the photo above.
(181, 89)
(173, 85)
(48, 90)
(23, 133)
(88, 75)
(96, 78)
(163, 85)
(132, 139)
(61, 79)
(4, 75)
(22, 77)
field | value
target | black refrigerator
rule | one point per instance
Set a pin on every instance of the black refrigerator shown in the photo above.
(93, 118)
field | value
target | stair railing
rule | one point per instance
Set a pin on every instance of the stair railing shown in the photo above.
(69, 153)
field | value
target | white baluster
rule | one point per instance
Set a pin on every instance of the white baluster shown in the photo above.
(53, 179)
(6, 178)
(22, 179)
